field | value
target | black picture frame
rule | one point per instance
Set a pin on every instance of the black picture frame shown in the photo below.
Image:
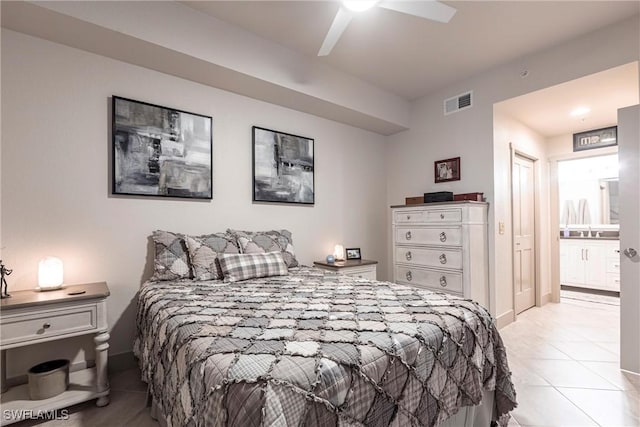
(160, 151)
(447, 170)
(283, 167)
(352, 253)
(597, 138)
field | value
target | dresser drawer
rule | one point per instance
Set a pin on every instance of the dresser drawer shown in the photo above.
(444, 258)
(434, 279)
(613, 281)
(428, 216)
(441, 236)
(37, 325)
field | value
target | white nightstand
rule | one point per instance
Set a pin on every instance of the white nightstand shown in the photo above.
(32, 317)
(358, 268)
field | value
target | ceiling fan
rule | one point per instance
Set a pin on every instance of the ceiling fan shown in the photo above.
(428, 9)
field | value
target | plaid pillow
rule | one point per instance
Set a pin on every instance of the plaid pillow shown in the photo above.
(204, 252)
(236, 267)
(171, 260)
(257, 242)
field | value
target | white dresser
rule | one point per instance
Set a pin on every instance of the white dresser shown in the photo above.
(442, 247)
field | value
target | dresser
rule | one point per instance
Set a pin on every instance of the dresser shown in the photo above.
(365, 268)
(32, 317)
(442, 247)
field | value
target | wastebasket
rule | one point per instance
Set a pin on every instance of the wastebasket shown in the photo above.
(48, 379)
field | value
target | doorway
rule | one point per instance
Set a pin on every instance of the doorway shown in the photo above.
(523, 190)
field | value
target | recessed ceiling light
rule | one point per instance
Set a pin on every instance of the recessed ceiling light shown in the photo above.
(580, 111)
(359, 5)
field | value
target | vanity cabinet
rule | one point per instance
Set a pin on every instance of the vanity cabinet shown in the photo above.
(590, 263)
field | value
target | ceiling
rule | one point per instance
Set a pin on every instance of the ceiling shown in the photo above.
(548, 111)
(410, 56)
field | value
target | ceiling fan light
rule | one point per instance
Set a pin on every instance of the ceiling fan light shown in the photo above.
(359, 5)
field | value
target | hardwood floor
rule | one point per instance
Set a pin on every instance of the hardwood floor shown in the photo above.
(563, 358)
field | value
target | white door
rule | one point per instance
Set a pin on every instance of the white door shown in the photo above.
(523, 191)
(574, 274)
(629, 155)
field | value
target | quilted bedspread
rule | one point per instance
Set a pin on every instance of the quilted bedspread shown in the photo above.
(316, 349)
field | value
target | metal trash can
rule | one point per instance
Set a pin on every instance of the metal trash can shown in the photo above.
(48, 379)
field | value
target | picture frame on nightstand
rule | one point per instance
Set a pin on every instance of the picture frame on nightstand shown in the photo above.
(353, 253)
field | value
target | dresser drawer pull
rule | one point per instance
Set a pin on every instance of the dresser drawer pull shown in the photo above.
(408, 235)
(443, 237)
(443, 259)
(443, 281)
(441, 216)
(408, 217)
(46, 326)
(409, 276)
(408, 256)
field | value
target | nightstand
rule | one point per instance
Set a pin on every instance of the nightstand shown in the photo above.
(354, 267)
(32, 317)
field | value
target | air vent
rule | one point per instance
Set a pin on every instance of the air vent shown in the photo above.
(458, 103)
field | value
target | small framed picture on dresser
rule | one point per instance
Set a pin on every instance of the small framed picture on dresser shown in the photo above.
(353, 253)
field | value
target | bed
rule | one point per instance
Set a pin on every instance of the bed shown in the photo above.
(314, 348)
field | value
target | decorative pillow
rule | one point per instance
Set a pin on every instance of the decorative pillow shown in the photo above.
(171, 260)
(236, 267)
(256, 242)
(204, 252)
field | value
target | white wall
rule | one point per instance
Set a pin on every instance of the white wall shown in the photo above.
(469, 133)
(56, 186)
(508, 133)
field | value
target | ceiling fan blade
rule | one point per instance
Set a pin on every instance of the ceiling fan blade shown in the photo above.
(429, 9)
(340, 22)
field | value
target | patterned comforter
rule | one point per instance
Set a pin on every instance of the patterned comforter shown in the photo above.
(316, 349)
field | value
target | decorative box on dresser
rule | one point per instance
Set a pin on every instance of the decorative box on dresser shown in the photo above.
(442, 247)
(32, 317)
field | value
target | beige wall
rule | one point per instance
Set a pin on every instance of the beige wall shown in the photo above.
(470, 133)
(56, 188)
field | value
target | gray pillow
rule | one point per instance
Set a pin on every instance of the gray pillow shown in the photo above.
(171, 260)
(255, 242)
(204, 252)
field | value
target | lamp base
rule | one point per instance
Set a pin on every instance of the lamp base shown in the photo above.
(57, 288)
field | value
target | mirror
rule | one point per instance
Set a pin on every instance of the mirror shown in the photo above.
(609, 201)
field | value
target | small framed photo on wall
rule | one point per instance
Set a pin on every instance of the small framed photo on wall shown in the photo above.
(353, 253)
(447, 170)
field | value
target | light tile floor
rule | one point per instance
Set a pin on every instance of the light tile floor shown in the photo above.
(563, 358)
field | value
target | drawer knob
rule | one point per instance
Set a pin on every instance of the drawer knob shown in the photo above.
(443, 281)
(443, 237)
(409, 276)
(46, 326)
(441, 216)
(408, 256)
(408, 216)
(408, 235)
(443, 259)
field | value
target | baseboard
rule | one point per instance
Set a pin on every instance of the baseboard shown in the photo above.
(505, 319)
(635, 374)
(117, 363)
(544, 299)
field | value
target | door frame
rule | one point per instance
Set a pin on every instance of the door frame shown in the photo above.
(515, 150)
(554, 211)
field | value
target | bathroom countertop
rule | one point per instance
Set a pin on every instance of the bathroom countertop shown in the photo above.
(590, 238)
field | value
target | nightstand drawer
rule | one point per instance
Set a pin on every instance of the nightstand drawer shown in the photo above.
(368, 273)
(38, 325)
(444, 258)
